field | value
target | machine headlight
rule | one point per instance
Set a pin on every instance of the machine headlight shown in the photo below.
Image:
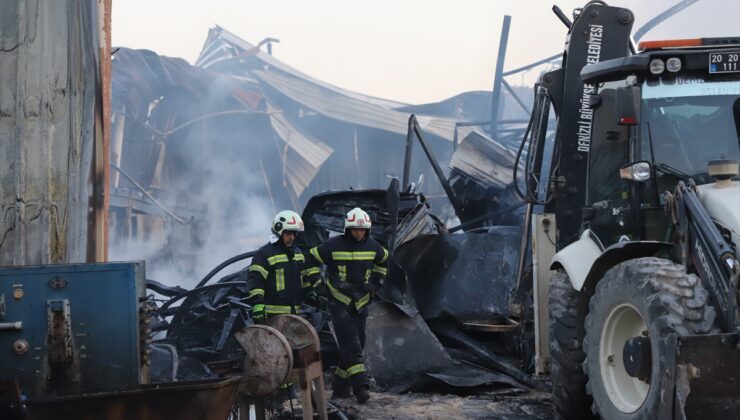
(657, 66)
(637, 171)
(673, 64)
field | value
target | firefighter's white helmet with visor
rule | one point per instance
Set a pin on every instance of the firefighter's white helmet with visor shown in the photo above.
(286, 220)
(357, 218)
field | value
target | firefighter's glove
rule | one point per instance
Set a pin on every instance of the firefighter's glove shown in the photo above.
(258, 312)
(321, 289)
(371, 287)
(376, 283)
(312, 298)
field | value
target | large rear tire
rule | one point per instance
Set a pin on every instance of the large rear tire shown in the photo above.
(570, 400)
(649, 297)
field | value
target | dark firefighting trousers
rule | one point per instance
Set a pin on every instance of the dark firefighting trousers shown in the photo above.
(349, 328)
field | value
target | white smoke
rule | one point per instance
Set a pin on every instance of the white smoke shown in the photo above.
(212, 167)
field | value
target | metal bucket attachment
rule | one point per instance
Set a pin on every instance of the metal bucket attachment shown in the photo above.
(705, 378)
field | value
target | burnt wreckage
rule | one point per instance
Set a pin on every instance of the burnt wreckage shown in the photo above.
(450, 311)
(453, 296)
(457, 306)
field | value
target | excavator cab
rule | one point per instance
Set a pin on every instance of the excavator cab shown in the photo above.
(682, 123)
(663, 115)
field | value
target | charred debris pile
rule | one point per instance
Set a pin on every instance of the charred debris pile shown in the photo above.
(203, 155)
(446, 315)
(451, 313)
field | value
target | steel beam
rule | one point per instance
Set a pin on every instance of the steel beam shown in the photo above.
(498, 75)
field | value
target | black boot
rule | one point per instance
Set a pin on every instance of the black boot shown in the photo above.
(362, 393)
(340, 389)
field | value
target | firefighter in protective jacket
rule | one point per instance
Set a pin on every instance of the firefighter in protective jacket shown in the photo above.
(355, 268)
(276, 274)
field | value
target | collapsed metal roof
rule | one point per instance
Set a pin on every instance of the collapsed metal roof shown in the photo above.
(142, 79)
(222, 46)
(225, 51)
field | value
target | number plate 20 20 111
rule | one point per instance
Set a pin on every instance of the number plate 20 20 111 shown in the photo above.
(726, 62)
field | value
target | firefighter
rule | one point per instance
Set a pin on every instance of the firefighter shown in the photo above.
(276, 281)
(355, 268)
(277, 271)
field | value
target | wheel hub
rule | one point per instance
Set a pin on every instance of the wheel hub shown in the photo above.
(625, 391)
(638, 358)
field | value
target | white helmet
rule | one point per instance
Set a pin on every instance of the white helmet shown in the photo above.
(357, 218)
(287, 220)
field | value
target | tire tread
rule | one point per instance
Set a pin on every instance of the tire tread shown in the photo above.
(676, 302)
(570, 400)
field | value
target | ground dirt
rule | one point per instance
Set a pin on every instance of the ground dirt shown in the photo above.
(506, 403)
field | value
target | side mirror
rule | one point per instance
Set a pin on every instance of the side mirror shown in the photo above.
(639, 171)
(628, 105)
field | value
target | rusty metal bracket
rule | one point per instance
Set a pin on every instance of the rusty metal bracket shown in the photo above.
(59, 335)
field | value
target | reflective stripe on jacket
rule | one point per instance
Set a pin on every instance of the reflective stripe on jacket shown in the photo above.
(350, 266)
(275, 278)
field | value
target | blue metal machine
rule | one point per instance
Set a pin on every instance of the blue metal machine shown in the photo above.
(74, 328)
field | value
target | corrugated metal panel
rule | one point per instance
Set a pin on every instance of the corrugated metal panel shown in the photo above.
(302, 157)
(486, 161)
(348, 109)
(334, 104)
(48, 89)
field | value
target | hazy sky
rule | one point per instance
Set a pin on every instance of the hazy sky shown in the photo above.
(414, 51)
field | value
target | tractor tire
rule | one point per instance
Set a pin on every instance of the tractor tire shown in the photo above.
(651, 297)
(570, 400)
